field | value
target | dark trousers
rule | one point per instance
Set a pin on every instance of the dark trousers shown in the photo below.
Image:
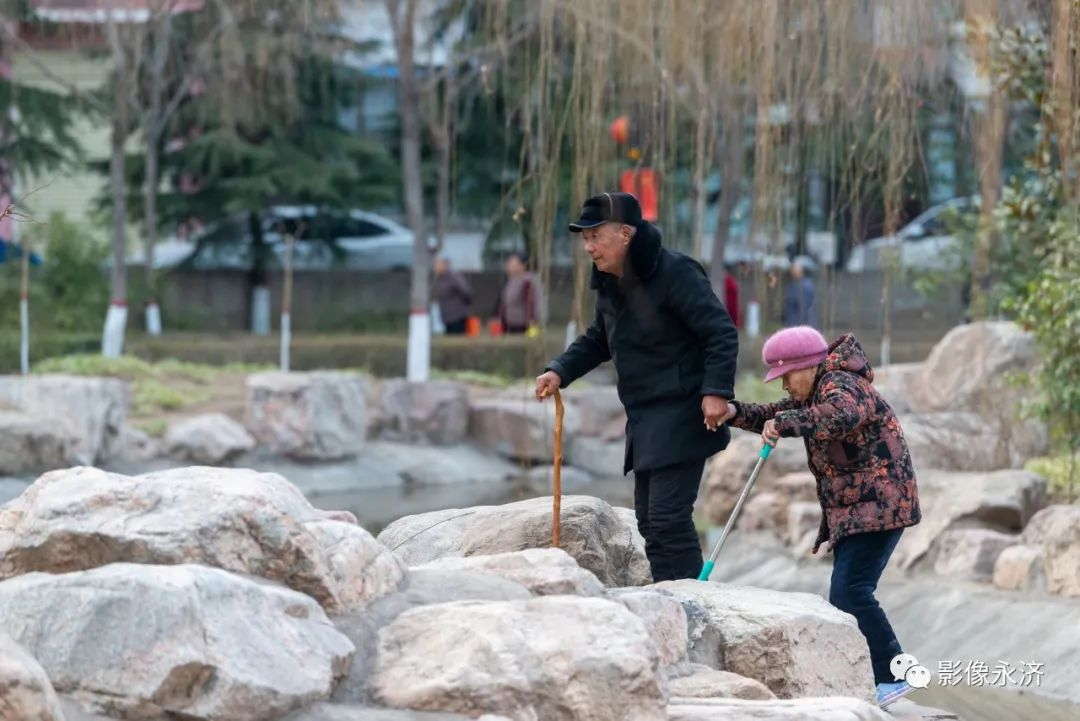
(455, 328)
(858, 562)
(664, 504)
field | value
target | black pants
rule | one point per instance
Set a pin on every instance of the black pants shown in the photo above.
(664, 504)
(455, 328)
(857, 566)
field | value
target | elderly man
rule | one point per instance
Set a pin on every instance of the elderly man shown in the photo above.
(674, 348)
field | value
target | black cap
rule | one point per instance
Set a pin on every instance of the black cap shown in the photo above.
(608, 208)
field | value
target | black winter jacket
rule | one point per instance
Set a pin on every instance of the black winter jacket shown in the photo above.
(671, 341)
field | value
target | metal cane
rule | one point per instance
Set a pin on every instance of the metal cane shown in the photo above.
(707, 569)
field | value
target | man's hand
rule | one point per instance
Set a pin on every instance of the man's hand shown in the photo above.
(547, 384)
(715, 409)
(770, 435)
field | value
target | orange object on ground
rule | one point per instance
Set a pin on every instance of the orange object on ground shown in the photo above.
(495, 328)
(472, 326)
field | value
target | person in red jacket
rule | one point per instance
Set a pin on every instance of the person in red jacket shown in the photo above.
(860, 459)
(731, 297)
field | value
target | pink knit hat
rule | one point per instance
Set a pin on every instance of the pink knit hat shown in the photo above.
(792, 349)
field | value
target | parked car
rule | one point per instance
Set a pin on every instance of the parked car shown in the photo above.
(926, 243)
(323, 238)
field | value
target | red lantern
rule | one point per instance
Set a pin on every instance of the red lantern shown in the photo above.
(644, 185)
(620, 129)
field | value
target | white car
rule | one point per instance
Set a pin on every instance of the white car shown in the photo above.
(324, 239)
(926, 243)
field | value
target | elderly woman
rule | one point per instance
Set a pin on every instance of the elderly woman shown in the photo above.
(865, 480)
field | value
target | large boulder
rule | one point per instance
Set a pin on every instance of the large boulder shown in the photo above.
(544, 571)
(776, 638)
(1056, 530)
(26, 694)
(597, 456)
(964, 441)
(974, 368)
(209, 439)
(33, 444)
(1000, 500)
(803, 709)
(665, 619)
(239, 520)
(91, 410)
(308, 416)
(602, 413)
(190, 642)
(970, 553)
(520, 428)
(705, 682)
(434, 412)
(1020, 568)
(590, 530)
(557, 658)
(897, 383)
(727, 472)
(335, 712)
(423, 587)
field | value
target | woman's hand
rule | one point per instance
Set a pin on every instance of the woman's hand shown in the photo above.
(770, 435)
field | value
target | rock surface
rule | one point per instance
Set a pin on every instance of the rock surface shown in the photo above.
(33, 444)
(335, 712)
(664, 618)
(26, 694)
(705, 682)
(517, 427)
(727, 472)
(591, 531)
(1056, 531)
(208, 439)
(236, 519)
(1000, 500)
(1020, 568)
(597, 456)
(314, 416)
(191, 641)
(557, 658)
(775, 638)
(804, 709)
(90, 410)
(970, 553)
(544, 571)
(435, 412)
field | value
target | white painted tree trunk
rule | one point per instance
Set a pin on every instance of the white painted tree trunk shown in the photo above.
(260, 313)
(571, 333)
(153, 319)
(286, 338)
(753, 319)
(112, 337)
(419, 357)
(24, 343)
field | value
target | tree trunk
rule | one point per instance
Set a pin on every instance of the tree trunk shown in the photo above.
(732, 167)
(153, 128)
(112, 343)
(404, 26)
(989, 147)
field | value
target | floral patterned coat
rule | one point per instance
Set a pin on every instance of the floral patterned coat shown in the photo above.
(855, 446)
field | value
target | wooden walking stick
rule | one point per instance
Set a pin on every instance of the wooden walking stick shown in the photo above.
(557, 474)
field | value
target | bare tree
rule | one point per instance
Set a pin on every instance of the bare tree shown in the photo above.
(112, 340)
(403, 24)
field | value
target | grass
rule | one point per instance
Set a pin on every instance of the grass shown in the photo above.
(1062, 477)
(750, 388)
(475, 378)
(165, 386)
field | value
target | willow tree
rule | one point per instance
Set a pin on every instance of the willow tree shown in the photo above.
(830, 91)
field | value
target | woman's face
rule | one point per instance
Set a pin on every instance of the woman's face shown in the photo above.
(800, 384)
